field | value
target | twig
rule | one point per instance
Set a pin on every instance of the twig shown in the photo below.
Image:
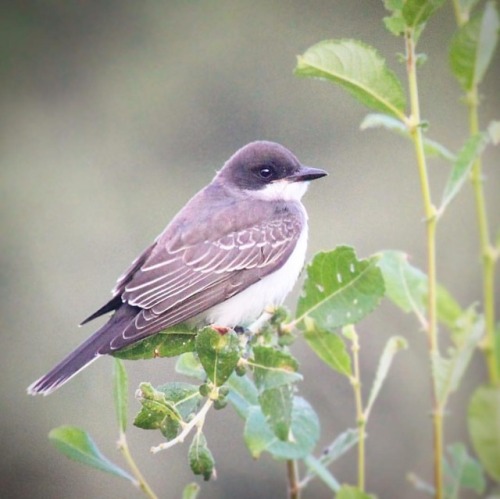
(198, 420)
(141, 482)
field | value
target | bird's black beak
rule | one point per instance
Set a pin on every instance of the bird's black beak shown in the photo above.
(306, 173)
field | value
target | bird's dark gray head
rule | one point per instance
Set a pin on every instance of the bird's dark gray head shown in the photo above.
(267, 168)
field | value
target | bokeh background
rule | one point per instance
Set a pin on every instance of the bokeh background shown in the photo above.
(113, 114)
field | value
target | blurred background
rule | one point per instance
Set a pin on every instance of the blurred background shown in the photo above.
(113, 114)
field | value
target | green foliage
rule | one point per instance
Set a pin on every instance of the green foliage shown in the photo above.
(191, 491)
(274, 373)
(483, 419)
(359, 69)
(188, 365)
(462, 166)
(304, 428)
(120, 392)
(77, 444)
(329, 347)
(167, 407)
(350, 492)
(473, 46)
(407, 287)
(418, 12)
(463, 472)
(258, 375)
(339, 289)
(218, 354)
(431, 147)
(318, 466)
(169, 343)
(393, 345)
(409, 15)
(200, 458)
(449, 370)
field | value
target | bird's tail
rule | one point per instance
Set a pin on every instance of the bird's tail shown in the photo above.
(84, 355)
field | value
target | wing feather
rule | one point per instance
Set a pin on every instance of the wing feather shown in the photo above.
(189, 270)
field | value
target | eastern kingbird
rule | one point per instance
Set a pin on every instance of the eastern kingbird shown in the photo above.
(237, 247)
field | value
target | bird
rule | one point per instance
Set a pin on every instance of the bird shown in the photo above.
(236, 248)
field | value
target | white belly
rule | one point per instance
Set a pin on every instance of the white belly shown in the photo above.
(245, 307)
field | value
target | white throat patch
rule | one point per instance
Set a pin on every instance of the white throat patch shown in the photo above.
(282, 190)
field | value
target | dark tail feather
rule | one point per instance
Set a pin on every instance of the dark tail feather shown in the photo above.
(85, 354)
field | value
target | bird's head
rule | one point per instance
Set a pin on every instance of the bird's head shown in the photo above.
(268, 171)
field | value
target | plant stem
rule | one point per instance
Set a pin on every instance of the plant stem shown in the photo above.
(293, 479)
(360, 414)
(488, 254)
(141, 482)
(198, 421)
(415, 130)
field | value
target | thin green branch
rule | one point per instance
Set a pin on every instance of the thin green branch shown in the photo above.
(488, 253)
(360, 413)
(415, 130)
(141, 482)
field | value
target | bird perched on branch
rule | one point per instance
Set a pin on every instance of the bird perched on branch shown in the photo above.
(235, 248)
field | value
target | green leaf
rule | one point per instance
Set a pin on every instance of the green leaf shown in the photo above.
(191, 491)
(76, 444)
(185, 397)
(473, 46)
(359, 69)
(484, 428)
(316, 468)
(351, 492)
(168, 343)
(120, 392)
(339, 289)
(393, 345)
(276, 404)
(242, 394)
(462, 166)
(319, 467)
(418, 12)
(201, 459)
(406, 286)
(304, 433)
(273, 368)
(274, 372)
(218, 353)
(188, 365)
(448, 310)
(395, 24)
(330, 348)
(431, 147)
(166, 407)
(342, 443)
(463, 471)
(448, 371)
(157, 413)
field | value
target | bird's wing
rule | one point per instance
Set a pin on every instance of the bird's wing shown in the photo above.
(181, 279)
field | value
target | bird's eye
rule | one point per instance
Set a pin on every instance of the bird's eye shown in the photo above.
(265, 172)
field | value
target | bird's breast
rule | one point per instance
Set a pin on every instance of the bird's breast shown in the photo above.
(245, 307)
